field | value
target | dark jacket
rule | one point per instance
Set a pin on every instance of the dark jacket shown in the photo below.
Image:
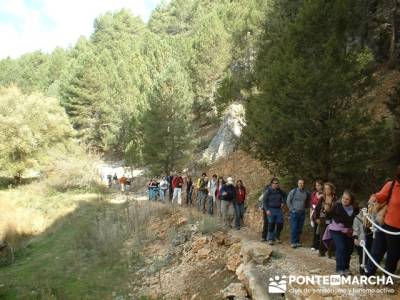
(230, 191)
(273, 198)
(339, 215)
(320, 212)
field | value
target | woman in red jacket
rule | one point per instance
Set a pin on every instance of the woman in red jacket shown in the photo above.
(390, 193)
(239, 203)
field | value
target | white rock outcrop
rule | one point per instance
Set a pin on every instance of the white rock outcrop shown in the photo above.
(225, 141)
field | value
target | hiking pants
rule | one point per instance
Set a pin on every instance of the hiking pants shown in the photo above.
(378, 250)
(227, 211)
(344, 248)
(202, 201)
(177, 196)
(393, 249)
(275, 218)
(296, 225)
(210, 205)
(239, 213)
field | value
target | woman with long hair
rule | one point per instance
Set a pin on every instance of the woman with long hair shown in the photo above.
(316, 196)
(322, 218)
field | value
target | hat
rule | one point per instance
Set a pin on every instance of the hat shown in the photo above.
(229, 180)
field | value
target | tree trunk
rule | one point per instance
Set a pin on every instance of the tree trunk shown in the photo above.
(393, 59)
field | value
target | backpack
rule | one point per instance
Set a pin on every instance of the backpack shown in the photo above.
(378, 210)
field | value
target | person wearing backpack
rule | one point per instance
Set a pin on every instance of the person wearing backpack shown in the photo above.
(202, 193)
(273, 200)
(297, 202)
(228, 196)
(390, 194)
(164, 186)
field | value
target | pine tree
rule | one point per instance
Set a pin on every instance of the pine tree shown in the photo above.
(167, 123)
(305, 121)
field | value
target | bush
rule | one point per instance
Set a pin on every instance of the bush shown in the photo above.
(209, 225)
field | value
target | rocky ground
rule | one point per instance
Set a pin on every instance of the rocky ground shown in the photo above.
(190, 258)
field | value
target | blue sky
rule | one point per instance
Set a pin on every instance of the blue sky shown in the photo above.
(28, 25)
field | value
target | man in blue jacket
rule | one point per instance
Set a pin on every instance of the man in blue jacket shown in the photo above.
(297, 201)
(273, 200)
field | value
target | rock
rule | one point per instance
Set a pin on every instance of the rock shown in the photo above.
(225, 141)
(255, 251)
(178, 240)
(219, 237)
(199, 243)
(253, 281)
(235, 290)
(182, 221)
(203, 253)
(230, 240)
(233, 257)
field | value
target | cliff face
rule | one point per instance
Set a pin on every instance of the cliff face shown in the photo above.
(225, 141)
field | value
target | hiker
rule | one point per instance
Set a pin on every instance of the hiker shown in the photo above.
(220, 183)
(239, 203)
(390, 194)
(152, 186)
(109, 180)
(170, 190)
(177, 184)
(115, 180)
(361, 232)
(297, 201)
(122, 182)
(164, 186)
(228, 195)
(322, 219)
(341, 231)
(202, 192)
(316, 196)
(273, 202)
(189, 191)
(212, 187)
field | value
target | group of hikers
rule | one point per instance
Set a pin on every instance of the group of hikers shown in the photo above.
(339, 223)
(214, 195)
(123, 183)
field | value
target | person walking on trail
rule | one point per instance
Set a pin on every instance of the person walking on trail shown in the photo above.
(115, 180)
(341, 231)
(322, 218)
(170, 190)
(122, 182)
(238, 206)
(228, 196)
(202, 193)
(273, 201)
(361, 232)
(212, 188)
(189, 191)
(164, 186)
(390, 195)
(297, 201)
(220, 183)
(316, 196)
(177, 184)
(109, 180)
(152, 186)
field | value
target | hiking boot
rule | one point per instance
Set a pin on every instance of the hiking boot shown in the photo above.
(278, 241)
(270, 242)
(313, 249)
(294, 246)
(299, 245)
(347, 273)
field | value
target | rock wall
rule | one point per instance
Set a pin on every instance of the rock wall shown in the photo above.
(225, 141)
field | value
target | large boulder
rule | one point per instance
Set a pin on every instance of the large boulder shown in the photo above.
(233, 257)
(225, 141)
(253, 280)
(257, 252)
(234, 290)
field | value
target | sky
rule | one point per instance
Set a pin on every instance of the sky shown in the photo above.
(29, 25)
